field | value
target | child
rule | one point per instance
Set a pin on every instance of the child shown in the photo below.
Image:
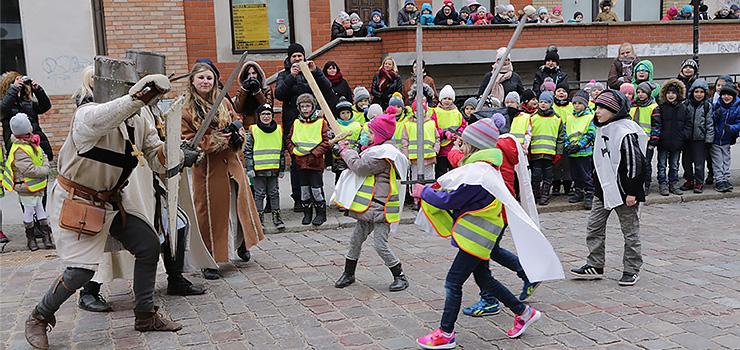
(529, 101)
(26, 170)
(482, 16)
(447, 16)
(473, 217)
(521, 125)
(557, 15)
(501, 16)
(347, 123)
(675, 127)
(375, 23)
(427, 17)
(408, 14)
(468, 108)
(618, 178)
(355, 23)
(309, 140)
(409, 145)
(375, 204)
(548, 85)
(401, 116)
(546, 149)
(465, 15)
(579, 145)
(718, 84)
(542, 15)
(511, 14)
(562, 105)
(362, 101)
(373, 111)
(449, 122)
(594, 88)
(577, 17)
(670, 14)
(686, 13)
(562, 108)
(628, 90)
(606, 15)
(646, 114)
(644, 72)
(702, 133)
(264, 160)
(688, 74)
(726, 128)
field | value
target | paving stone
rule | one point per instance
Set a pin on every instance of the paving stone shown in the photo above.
(693, 341)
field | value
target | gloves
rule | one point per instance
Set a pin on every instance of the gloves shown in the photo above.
(192, 156)
(573, 148)
(416, 191)
(557, 159)
(364, 139)
(281, 174)
(251, 85)
(250, 174)
(151, 87)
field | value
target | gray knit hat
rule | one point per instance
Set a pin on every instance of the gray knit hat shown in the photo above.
(512, 96)
(484, 133)
(20, 125)
(360, 93)
(471, 101)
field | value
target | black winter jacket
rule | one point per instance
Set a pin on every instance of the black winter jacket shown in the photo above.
(382, 98)
(288, 88)
(513, 84)
(338, 31)
(675, 127)
(13, 104)
(555, 74)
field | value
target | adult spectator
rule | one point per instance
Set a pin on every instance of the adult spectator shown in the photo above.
(341, 28)
(253, 92)
(473, 5)
(289, 85)
(686, 13)
(606, 14)
(22, 94)
(725, 13)
(622, 67)
(670, 14)
(408, 14)
(386, 82)
(412, 82)
(507, 81)
(551, 70)
(447, 16)
(339, 86)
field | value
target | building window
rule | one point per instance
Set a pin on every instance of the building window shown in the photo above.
(13, 57)
(261, 25)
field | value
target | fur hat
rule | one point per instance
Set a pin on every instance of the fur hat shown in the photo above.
(447, 91)
(343, 105)
(547, 96)
(582, 97)
(484, 133)
(305, 98)
(384, 126)
(608, 99)
(360, 93)
(512, 96)
(20, 125)
(674, 85)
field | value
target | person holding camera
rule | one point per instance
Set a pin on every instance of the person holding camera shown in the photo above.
(22, 94)
(253, 92)
(220, 193)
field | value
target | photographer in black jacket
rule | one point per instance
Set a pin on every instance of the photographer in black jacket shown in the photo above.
(22, 94)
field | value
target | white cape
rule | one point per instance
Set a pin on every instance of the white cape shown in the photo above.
(536, 255)
(349, 182)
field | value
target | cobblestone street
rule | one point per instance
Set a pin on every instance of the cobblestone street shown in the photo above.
(688, 295)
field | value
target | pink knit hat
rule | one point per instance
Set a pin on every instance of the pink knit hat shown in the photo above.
(627, 87)
(548, 86)
(384, 126)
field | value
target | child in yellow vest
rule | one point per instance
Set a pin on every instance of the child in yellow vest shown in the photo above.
(402, 115)
(373, 111)
(25, 172)
(264, 160)
(347, 123)
(449, 122)
(308, 140)
(580, 132)
(431, 146)
(370, 191)
(562, 108)
(546, 149)
(520, 125)
(362, 102)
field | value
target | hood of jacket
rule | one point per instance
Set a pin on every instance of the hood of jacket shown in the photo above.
(260, 72)
(700, 83)
(624, 108)
(426, 6)
(676, 83)
(644, 63)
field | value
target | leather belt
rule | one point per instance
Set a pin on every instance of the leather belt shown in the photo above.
(114, 197)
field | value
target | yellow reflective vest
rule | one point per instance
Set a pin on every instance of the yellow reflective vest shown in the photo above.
(446, 119)
(306, 136)
(577, 126)
(563, 111)
(267, 148)
(400, 125)
(545, 131)
(355, 128)
(37, 157)
(475, 232)
(429, 137)
(359, 116)
(519, 126)
(365, 194)
(643, 116)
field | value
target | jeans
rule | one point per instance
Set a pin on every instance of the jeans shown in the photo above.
(668, 159)
(581, 170)
(649, 164)
(508, 260)
(464, 265)
(543, 172)
(694, 157)
(266, 186)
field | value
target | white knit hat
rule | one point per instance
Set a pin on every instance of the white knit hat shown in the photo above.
(20, 125)
(447, 91)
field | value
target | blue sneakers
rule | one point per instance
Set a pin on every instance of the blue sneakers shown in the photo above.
(482, 308)
(528, 289)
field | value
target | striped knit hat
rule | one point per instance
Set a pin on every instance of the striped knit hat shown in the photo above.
(484, 133)
(582, 97)
(608, 99)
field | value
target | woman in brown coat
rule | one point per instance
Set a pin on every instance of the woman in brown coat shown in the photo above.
(253, 92)
(219, 176)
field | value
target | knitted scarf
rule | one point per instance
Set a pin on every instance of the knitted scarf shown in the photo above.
(334, 79)
(386, 77)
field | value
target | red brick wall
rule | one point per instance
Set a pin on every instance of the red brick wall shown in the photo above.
(321, 20)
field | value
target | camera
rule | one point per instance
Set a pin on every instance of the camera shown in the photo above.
(252, 85)
(233, 128)
(26, 80)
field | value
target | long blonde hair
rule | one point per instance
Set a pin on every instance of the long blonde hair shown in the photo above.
(196, 104)
(84, 90)
(395, 68)
(467, 150)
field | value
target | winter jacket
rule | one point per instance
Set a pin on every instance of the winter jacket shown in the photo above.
(701, 114)
(23, 167)
(372, 27)
(616, 72)
(510, 160)
(426, 19)
(726, 115)
(606, 17)
(649, 65)
(288, 88)
(687, 83)
(315, 159)
(246, 103)
(441, 19)
(729, 16)
(249, 154)
(675, 122)
(13, 104)
(339, 31)
(380, 97)
(512, 84)
(500, 20)
(381, 168)
(410, 82)
(631, 169)
(555, 74)
(404, 18)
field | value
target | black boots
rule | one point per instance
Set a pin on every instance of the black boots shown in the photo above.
(568, 187)
(545, 194)
(399, 279)
(91, 300)
(179, 285)
(243, 252)
(320, 213)
(30, 236)
(556, 187)
(307, 213)
(348, 277)
(211, 274)
(277, 220)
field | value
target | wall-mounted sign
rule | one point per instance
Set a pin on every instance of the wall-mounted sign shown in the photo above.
(251, 29)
